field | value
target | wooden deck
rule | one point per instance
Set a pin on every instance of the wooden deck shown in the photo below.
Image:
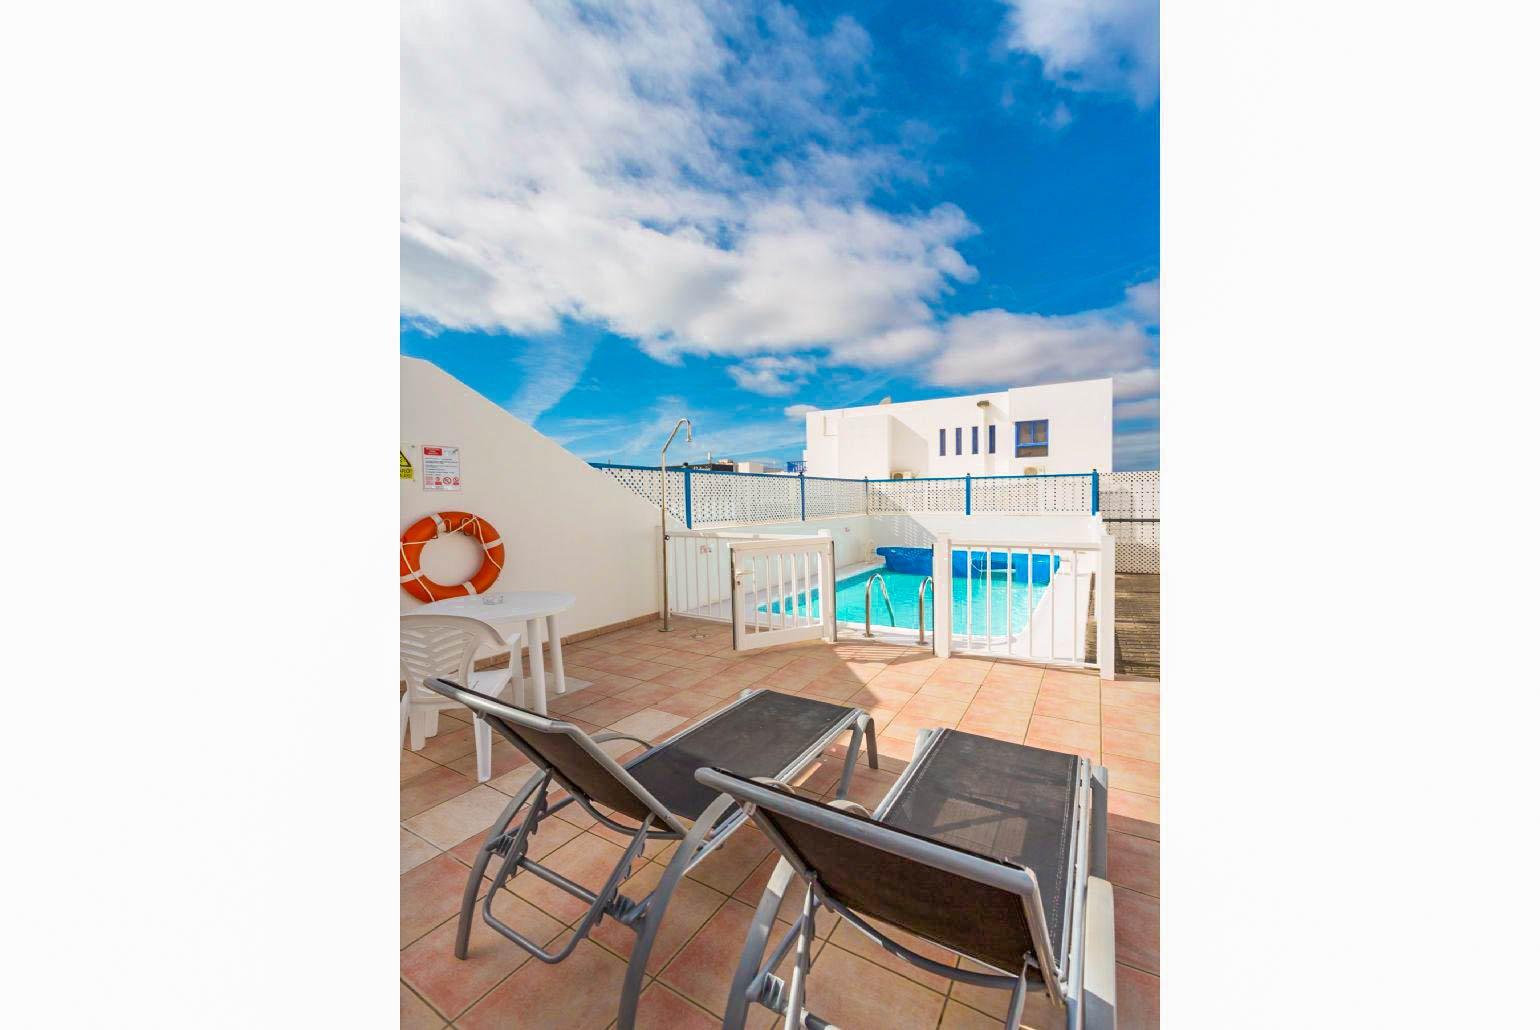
(1138, 625)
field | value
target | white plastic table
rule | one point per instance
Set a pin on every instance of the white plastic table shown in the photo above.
(524, 608)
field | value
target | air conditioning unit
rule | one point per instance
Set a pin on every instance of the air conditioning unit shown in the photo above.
(905, 474)
(1032, 470)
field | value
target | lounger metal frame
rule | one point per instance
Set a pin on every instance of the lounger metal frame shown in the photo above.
(644, 916)
(1087, 996)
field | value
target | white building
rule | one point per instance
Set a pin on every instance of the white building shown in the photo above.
(1062, 427)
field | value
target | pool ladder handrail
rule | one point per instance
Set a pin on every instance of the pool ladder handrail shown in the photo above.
(892, 619)
(928, 581)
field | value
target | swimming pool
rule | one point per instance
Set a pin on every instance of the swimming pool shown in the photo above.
(989, 593)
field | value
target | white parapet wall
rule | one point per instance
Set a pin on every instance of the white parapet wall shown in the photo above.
(566, 526)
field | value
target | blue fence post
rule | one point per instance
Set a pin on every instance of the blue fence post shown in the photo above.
(689, 521)
(968, 494)
(802, 484)
(1096, 492)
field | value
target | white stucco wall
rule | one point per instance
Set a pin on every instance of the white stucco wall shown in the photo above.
(878, 440)
(565, 525)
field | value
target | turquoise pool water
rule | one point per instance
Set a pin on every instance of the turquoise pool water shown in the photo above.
(989, 593)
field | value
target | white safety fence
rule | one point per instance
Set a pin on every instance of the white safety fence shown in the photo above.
(700, 579)
(783, 590)
(991, 613)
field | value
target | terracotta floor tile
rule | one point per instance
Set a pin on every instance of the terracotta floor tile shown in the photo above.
(872, 696)
(846, 936)
(505, 759)
(940, 712)
(648, 693)
(430, 893)
(581, 993)
(1088, 712)
(1039, 1013)
(1133, 862)
(788, 678)
(837, 686)
(991, 708)
(895, 747)
(586, 860)
(686, 704)
(452, 985)
(1137, 720)
(1083, 689)
(853, 993)
(743, 674)
(1005, 673)
(731, 863)
(1055, 677)
(1138, 814)
(703, 971)
(1120, 696)
(1061, 735)
(469, 814)
(1132, 774)
(439, 784)
(692, 904)
(958, 1016)
(962, 670)
(510, 783)
(917, 664)
(1145, 746)
(673, 676)
(1138, 999)
(905, 728)
(415, 851)
(1136, 925)
(413, 764)
(662, 1009)
(453, 740)
(1012, 730)
(608, 710)
(946, 690)
(651, 724)
(551, 834)
(751, 890)
(417, 1014)
(900, 680)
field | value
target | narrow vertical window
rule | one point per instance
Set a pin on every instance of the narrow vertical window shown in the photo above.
(991, 439)
(958, 448)
(942, 452)
(975, 439)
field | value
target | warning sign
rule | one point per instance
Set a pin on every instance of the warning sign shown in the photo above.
(406, 467)
(440, 468)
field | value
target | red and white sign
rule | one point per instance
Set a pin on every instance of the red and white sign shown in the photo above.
(440, 468)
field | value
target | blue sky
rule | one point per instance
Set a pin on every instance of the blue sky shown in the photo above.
(733, 210)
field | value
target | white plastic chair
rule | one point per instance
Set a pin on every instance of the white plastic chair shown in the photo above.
(445, 646)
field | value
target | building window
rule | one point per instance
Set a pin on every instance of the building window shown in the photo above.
(991, 439)
(942, 452)
(958, 449)
(975, 439)
(1032, 439)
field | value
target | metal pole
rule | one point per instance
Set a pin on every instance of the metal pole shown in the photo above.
(689, 437)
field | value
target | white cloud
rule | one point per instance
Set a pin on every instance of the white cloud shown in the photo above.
(1093, 45)
(797, 412)
(550, 369)
(673, 171)
(1149, 407)
(771, 375)
(986, 347)
(1139, 449)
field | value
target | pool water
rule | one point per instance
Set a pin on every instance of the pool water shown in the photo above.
(989, 592)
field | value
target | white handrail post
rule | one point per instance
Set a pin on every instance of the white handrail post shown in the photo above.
(1107, 607)
(826, 600)
(941, 573)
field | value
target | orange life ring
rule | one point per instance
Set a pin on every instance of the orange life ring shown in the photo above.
(429, 527)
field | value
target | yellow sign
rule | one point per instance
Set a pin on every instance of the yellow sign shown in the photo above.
(406, 467)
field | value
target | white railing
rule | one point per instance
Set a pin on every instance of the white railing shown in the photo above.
(990, 614)
(783, 590)
(700, 582)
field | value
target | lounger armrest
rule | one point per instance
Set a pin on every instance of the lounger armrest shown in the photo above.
(846, 805)
(601, 738)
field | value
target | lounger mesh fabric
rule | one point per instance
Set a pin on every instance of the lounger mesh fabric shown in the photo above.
(1012, 803)
(975, 919)
(760, 737)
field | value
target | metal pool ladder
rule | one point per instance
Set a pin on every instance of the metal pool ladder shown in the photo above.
(892, 619)
(928, 581)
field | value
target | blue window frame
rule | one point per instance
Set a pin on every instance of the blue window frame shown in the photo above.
(991, 439)
(975, 439)
(942, 452)
(1032, 439)
(958, 449)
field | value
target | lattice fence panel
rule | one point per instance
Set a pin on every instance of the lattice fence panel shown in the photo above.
(644, 482)
(1130, 507)
(744, 497)
(835, 497)
(905, 495)
(1032, 495)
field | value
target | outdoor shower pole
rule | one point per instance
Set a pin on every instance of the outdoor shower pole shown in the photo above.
(689, 437)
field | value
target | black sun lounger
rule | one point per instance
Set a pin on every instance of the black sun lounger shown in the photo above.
(992, 850)
(763, 734)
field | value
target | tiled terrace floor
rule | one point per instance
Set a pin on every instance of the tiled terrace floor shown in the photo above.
(651, 684)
